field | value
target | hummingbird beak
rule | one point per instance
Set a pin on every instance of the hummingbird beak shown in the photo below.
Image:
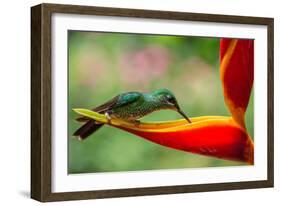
(183, 114)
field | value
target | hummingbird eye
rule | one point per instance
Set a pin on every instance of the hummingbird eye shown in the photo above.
(170, 99)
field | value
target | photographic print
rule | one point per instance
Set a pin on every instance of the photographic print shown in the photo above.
(128, 102)
(150, 102)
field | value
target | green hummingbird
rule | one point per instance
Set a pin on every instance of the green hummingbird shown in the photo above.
(130, 106)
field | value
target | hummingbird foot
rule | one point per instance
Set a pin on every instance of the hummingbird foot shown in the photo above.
(107, 116)
(136, 122)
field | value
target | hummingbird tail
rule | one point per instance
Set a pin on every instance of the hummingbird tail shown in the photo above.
(82, 119)
(87, 129)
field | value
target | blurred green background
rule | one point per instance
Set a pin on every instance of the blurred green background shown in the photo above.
(102, 65)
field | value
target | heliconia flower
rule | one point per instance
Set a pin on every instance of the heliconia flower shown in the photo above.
(215, 136)
(237, 75)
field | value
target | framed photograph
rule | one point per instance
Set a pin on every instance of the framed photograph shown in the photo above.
(132, 102)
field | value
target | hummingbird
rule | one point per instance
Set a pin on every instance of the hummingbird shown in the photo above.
(130, 106)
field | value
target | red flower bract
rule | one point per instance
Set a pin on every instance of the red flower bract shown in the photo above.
(237, 75)
(220, 138)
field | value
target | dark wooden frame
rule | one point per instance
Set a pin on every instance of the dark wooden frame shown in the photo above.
(41, 101)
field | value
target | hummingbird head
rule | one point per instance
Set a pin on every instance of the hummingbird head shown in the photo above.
(169, 101)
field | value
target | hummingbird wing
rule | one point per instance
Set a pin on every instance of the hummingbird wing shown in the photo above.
(117, 101)
(91, 126)
(100, 109)
(127, 98)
